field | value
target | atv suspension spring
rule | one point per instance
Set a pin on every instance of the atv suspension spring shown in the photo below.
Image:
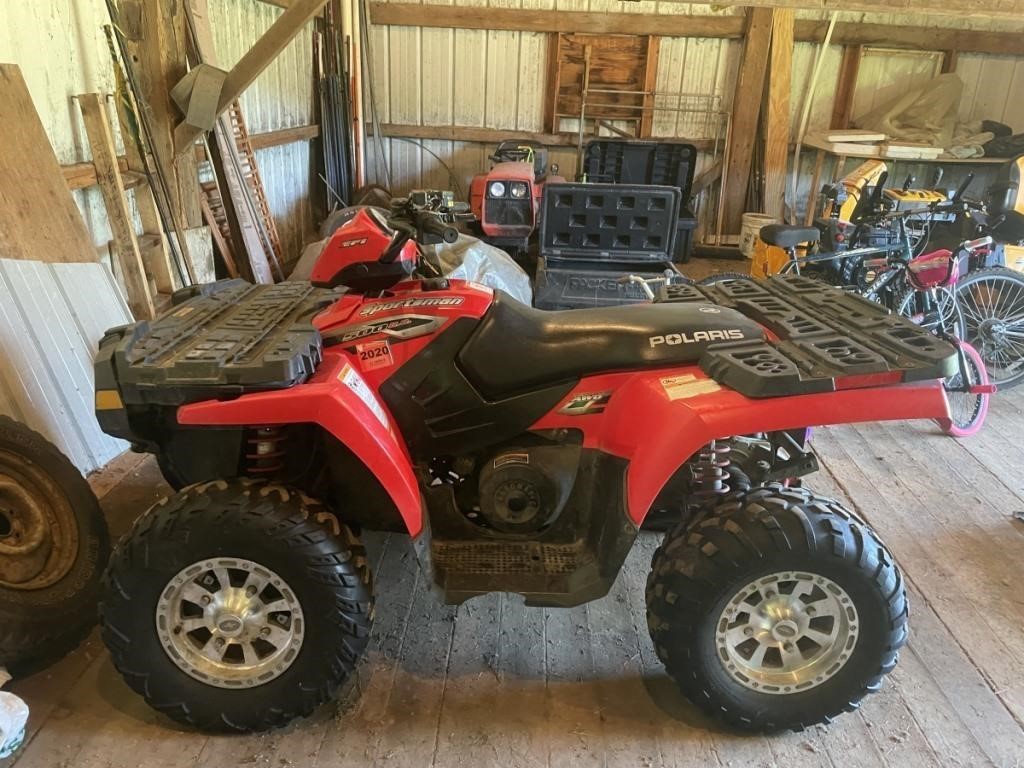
(265, 450)
(711, 471)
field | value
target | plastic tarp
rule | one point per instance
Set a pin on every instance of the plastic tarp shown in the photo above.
(926, 114)
(13, 717)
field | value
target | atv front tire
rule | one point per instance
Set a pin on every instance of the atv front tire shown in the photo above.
(778, 611)
(54, 545)
(237, 605)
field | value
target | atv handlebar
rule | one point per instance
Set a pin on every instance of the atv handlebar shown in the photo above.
(429, 224)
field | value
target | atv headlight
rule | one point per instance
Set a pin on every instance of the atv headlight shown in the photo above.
(496, 189)
(520, 189)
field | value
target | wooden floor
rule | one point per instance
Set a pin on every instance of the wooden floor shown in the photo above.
(495, 684)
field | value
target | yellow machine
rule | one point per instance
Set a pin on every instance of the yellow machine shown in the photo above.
(864, 175)
(1006, 203)
(905, 199)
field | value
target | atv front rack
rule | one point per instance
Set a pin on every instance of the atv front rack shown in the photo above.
(827, 339)
(221, 340)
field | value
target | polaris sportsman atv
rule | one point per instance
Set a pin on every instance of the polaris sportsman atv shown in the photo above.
(521, 451)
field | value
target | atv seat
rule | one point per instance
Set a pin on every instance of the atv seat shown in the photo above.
(517, 348)
(786, 236)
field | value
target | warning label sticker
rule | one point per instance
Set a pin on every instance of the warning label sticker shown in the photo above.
(350, 377)
(688, 385)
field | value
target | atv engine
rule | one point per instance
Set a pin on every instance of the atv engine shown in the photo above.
(523, 490)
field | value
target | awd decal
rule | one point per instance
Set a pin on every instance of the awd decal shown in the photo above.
(581, 405)
(400, 328)
(672, 339)
(432, 301)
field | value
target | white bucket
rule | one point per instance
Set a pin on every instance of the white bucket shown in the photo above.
(749, 229)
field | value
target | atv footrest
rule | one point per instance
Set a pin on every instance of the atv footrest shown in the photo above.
(824, 335)
(545, 573)
(227, 339)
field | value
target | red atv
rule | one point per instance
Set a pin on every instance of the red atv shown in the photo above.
(506, 199)
(521, 451)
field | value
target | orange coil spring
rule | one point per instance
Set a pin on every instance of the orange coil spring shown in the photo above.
(711, 471)
(265, 450)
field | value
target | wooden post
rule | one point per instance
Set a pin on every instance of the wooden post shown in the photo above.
(650, 83)
(108, 174)
(551, 120)
(846, 86)
(746, 108)
(949, 61)
(780, 81)
(253, 62)
(812, 196)
(161, 61)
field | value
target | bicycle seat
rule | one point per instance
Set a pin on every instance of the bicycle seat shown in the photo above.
(786, 236)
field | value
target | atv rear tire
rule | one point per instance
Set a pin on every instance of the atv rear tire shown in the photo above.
(54, 545)
(237, 605)
(795, 581)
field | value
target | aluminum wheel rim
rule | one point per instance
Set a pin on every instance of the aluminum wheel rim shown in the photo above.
(231, 623)
(787, 632)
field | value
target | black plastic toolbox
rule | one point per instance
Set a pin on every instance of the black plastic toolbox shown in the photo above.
(662, 163)
(579, 284)
(620, 223)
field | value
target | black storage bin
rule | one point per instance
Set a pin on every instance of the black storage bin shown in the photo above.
(664, 163)
(609, 222)
(574, 284)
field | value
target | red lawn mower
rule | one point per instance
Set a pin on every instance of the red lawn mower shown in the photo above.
(522, 451)
(506, 199)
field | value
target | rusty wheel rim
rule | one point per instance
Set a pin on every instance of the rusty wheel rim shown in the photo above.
(38, 531)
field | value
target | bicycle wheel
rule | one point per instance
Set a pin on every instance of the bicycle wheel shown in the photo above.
(992, 303)
(967, 410)
(952, 319)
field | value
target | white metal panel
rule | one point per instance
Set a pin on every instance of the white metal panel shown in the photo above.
(52, 317)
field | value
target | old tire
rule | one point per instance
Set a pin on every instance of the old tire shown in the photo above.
(263, 580)
(54, 545)
(770, 560)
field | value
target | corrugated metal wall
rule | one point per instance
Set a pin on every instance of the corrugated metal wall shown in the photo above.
(52, 317)
(496, 79)
(62, 51)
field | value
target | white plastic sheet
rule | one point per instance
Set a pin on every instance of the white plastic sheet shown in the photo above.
(13, 718)
(926, 114)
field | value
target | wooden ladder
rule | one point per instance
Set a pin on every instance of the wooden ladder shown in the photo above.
(213, 205)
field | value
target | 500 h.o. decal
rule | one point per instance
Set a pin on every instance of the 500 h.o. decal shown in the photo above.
(400, 328)
(671, 339)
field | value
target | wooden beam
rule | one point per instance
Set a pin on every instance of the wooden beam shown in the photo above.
(846, 86)
(82, 175)
(104, 157)
(681, 25)
(949, 61)
(776, 124)
(650, 83)
(253, 62)
(746, 108)
(494, 135)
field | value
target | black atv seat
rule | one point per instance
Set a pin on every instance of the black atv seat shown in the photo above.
(517, 348)
(786, 236)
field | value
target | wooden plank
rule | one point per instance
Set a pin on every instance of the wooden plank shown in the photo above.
(104, 157)
(38, 217)
(746, 108)
(253, 62)
(846, 84)
(650, 81)
(553, 77)
(949, 61)
(776, 151)
(685, 25)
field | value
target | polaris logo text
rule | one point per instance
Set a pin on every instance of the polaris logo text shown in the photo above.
(672, 339)
(433, 301)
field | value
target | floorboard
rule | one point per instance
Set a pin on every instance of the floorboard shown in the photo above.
(493, 683)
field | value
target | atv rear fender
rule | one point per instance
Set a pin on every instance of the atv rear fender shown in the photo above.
(657, 434)
(337, 399)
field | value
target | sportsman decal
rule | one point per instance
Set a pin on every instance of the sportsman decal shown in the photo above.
(429, 301)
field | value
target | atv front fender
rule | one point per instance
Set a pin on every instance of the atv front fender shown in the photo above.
(658, 434)
(339, 400)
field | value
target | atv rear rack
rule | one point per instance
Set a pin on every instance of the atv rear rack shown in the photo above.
(827, 339)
